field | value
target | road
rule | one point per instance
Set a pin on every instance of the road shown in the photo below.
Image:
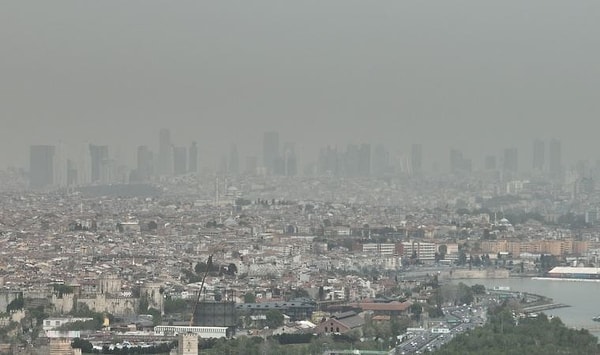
(465, 318)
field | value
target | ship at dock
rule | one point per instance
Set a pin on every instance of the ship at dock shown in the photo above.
(574, 273)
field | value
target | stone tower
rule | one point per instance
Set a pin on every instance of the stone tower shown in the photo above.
(188, 344)
(110, 285)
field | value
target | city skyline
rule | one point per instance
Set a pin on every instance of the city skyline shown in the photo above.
(51, 165)
(432, 156)
(220, 74)
(299, 177)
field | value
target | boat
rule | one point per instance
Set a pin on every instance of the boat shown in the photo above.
(501, 288)
(596, 319)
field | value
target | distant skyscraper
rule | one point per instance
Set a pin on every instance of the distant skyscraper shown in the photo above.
(357, 160)
(41, 166)
(330, 162)
(490, 162)
(380, 161)
(60, 165)
(289, 157)
(180, 160)
(145, 167)
(351, 161)
(222, 169)
(251, 165)
(72, 173)
(555, 157)
(165, 152)
(416, 158)
(458, 163)
(234, 161)
(511, 160)
(193, 166)
(270, 151)
(99, 162)
(538, 155)
(364, 160)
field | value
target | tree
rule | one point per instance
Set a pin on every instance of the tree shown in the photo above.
(462, 258)
(502, 335)
(249, 297)
(15, 304)
(465, 294)
(175, 305)
(416, 310)
(398, 326)
(478, 289)
(435, 312)
(156, 316)
(143, 306)
(38, 314)
(443, 250)
(299, 293)
(152, 225)
(84, 345)
(274, 319)
(321, 293)
(232, 269)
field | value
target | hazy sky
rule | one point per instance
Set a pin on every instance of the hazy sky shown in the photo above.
(475, 75)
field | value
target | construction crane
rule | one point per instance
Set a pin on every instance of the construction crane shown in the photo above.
(208, 266)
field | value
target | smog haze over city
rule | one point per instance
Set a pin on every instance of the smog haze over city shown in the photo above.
(308, 177)
(473, 76)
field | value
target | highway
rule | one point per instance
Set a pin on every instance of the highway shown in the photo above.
(467, 317)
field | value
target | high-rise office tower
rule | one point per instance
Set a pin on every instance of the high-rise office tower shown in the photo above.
(72, 173)
(234, 160)
(555, 164)
(41, 166)
(145, 167)
(60, 165)
(456, 159)
(364, 160)
(511, 160)
(99, 162)
(270, 151)
(289, 158)
(538, 155)
(165, 152)
(329, 162)
(458, 163)
(380, 161)
(490, 162)
(222, 168)
(350, 165)
(416, 158)
(179, 160)
(251, 165)
(193, 166)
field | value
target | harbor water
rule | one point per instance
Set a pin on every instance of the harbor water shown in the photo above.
(581, 296)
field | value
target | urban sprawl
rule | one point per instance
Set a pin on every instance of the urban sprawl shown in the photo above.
(359, 251)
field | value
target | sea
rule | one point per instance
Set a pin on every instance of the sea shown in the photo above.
(581, 296)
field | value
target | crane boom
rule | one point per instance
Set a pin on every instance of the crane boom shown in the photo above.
(208, 266)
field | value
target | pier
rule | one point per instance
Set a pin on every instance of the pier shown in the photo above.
(544, 307)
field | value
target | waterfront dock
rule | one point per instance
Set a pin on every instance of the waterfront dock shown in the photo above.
(544, 307)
